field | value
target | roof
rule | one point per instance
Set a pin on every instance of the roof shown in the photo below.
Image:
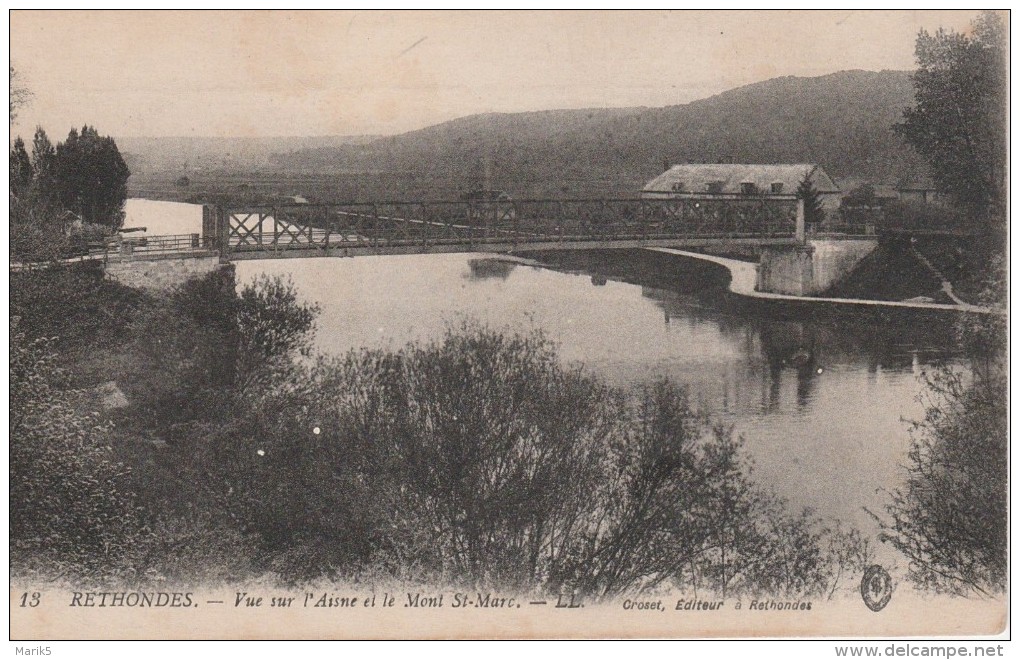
(485, 196)
(885, 191)
(916, 183)
(696, 177)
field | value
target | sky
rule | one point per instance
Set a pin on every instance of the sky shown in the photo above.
(278, 73)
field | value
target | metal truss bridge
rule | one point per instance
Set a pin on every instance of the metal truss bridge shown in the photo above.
(309, 230)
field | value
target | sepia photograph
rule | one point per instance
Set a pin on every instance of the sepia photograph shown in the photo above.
(472, 325)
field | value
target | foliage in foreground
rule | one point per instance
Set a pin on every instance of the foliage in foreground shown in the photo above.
(949, 519)
(479, 460)
(68, 498)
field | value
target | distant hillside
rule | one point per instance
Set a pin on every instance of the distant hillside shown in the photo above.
(184, 155)
(841, 121)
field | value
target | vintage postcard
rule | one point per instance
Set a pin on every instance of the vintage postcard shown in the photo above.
(508, 325)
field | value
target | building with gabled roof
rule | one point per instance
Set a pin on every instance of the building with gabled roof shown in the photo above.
(920, 189)
(714, 180)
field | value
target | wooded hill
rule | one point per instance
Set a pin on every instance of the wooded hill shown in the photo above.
(841, 121)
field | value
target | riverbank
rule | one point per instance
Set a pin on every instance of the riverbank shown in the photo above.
(743, 279)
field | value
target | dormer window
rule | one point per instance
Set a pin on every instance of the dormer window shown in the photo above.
(678, 186)
(748, 188)
(715, 187)
(777, 188)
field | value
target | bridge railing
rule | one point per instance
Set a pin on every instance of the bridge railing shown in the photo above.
(152, 246)
(378, 226)
(862, 230)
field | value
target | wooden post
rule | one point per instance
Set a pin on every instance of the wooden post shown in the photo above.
(328, 227)
(800, 234)
(223, 232)
(515, 223)
(472, 215)
(208, 225)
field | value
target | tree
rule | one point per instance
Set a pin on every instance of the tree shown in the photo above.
(813, 211)
(271, 323)
(958, 122)
(37, 228)
(19, 94)
(43, 152)
(85, 175)
(44, 157)
(950, 519)
(91, 177)
(21, 169)
(863, 195)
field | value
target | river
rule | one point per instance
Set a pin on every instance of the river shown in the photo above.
(824, 405)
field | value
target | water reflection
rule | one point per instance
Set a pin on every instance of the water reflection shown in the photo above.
(488, 268)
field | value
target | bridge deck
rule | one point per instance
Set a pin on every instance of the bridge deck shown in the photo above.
(351, 249)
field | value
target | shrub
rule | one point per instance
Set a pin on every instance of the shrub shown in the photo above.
(481, 460)
(201, 347)
(921, 215)
(74, 305)
(950, 518)
(67, 497)
(180, 364)
(271, 324)
(494, 450)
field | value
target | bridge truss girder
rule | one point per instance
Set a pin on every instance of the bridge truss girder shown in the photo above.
(408, 227)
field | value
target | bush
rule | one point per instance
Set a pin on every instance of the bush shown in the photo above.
(74, 305)
(492, 448)
(271, 325)
(37, 231)
(181, 363)
(902, 214)
(201, 347)
(480, 460)
(67, 497)
(682, 511)
(985, 337)
(950, 519)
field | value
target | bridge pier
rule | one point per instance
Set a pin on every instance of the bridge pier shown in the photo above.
(159, 275)
(812, 267)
